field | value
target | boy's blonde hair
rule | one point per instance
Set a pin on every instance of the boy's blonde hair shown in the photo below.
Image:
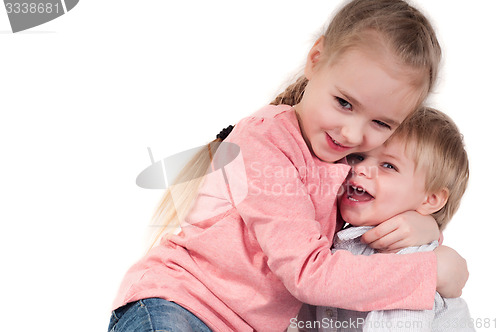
(405, 30)
(434, 141)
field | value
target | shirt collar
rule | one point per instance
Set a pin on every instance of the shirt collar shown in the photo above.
(352, 233)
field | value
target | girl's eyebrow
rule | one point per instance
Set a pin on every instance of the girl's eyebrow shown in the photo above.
(351, 99)
(390, 122)
(356, 103)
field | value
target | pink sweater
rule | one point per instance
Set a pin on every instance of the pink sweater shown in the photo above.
(258, 240)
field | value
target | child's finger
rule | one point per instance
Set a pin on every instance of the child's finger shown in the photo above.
(394, 248)
(379, 232)
(388, 251)
(387, 242)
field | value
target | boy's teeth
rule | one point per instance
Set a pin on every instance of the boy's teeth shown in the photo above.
(358, 194)
(358, 189)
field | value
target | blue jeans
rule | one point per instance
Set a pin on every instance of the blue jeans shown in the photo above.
(154, 315)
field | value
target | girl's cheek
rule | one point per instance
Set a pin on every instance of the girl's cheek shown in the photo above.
(376, 140)
(371, 142)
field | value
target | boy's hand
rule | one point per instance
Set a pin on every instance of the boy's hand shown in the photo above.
(452, 273)
(404, 230)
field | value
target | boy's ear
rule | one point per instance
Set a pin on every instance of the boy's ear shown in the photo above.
(434, 202)
(314, 56)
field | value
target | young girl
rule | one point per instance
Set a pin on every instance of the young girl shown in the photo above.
(256, 241)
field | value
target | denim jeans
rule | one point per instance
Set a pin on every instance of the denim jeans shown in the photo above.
(154, 315)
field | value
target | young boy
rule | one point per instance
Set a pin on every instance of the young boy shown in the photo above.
(422, 167)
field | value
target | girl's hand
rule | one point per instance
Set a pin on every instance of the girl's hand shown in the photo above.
(404, 230)
(452, 273)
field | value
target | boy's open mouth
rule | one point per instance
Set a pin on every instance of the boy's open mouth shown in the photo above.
(357, 193)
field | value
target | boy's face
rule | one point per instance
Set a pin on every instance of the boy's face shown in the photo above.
(382, 184)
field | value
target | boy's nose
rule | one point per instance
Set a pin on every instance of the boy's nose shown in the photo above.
(363, 169)
(359, 169)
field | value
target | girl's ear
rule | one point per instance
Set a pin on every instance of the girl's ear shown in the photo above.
(434, 202)
(314, 57)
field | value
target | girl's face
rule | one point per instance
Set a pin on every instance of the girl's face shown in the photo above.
(354, 104)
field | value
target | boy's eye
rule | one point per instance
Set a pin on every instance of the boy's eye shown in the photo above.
(382, 124)
(389, 166)
(353, 159)
(344, 103)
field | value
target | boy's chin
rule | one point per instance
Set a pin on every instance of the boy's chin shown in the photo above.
(359, 218)
(360, 223)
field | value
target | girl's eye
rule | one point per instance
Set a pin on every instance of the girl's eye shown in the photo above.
(344, 103)
(382, 124)
(389, 166)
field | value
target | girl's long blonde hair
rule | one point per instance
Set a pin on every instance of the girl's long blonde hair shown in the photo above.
(405, 29)
(179, 197)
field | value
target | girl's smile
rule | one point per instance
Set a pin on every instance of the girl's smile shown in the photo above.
(336, 145)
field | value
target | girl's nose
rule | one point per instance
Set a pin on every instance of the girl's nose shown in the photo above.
(353, 134)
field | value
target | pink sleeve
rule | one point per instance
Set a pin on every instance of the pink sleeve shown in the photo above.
(279, 211)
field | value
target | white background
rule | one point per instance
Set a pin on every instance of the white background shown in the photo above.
(83, 96)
